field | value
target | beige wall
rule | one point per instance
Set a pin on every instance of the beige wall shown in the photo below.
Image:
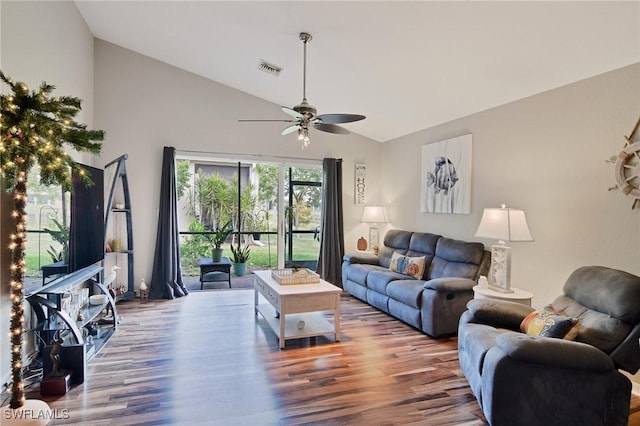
(57, 47)
(544, 154)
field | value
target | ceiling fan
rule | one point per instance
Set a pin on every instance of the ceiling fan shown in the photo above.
(306, 116)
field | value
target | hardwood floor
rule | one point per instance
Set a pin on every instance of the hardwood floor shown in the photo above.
(205, 360)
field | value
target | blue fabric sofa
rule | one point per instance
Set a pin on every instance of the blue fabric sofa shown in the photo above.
(521, 379)
(432, 304)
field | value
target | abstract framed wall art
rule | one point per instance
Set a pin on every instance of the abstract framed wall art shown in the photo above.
(446, 176)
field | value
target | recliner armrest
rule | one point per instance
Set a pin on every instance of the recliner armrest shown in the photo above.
(366, 258)
(498, 313)
(554, 352)
(450, 284)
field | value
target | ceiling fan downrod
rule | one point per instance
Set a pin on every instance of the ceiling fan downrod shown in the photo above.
(305, 38)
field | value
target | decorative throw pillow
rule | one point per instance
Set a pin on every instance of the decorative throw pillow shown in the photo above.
(547, 323)
(412, 266)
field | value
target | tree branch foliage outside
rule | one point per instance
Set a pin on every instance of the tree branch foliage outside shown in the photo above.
(212, 201)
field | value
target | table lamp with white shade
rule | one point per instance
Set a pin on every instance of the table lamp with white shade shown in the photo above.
(502, 224)
(373, 215)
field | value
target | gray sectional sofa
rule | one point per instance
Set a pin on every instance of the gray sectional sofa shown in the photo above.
(432, 304)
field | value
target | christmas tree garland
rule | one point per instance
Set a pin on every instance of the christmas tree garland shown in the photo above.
(34, 128)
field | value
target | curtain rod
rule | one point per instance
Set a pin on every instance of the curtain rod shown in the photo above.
(234, 156)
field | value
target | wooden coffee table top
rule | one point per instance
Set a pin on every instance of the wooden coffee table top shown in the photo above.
(290, 289)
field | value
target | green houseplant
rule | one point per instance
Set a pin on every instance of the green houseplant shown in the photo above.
(59, 235)
(216, 238)
(239, 257)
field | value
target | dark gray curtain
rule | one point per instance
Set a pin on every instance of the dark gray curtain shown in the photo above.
(166, 281)
(331, 225)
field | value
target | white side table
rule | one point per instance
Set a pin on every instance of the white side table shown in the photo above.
(518, 295)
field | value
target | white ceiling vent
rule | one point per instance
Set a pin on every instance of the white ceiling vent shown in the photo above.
(269, 68)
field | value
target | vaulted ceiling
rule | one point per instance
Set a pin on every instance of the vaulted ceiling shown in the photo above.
(405, 65)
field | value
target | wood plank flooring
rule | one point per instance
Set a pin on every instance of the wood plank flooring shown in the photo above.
(204, 359)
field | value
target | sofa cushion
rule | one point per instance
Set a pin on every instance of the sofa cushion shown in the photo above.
(594, 328)
(394, 240)
(456, 259)
(408, 292)
(358, 273)
(547, 323)
(606, 290)
(423, 244)
(412, 266)
(378, 280)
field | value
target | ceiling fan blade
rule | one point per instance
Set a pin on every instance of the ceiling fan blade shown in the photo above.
(279, 121)
(290, 129)
(331, 128)
(291, 112)
(340, 118)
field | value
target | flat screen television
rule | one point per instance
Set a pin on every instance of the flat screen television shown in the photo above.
(86, 238)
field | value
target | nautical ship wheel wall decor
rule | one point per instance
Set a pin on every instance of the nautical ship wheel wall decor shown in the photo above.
(627, 168)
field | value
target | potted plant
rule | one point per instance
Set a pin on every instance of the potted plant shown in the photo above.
(217, 238)
(255, 222)
(59, 235)
(239, 257)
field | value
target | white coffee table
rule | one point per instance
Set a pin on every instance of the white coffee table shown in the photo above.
(295, 311)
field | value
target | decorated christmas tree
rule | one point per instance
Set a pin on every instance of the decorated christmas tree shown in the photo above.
(35, 127)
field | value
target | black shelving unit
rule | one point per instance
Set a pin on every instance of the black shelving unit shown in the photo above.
(53, 321)
(120, 185)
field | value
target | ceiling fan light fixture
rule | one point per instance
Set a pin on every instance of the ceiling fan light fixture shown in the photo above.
(306, 115)
(303, 135)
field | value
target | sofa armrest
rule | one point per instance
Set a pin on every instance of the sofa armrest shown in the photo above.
(554, 352)
(498, 313)
(366, 258)
(450, 284)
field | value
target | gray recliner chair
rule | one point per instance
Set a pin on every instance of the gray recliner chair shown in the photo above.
(526, 380)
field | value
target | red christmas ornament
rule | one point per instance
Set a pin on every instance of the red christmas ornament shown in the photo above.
(19, 160)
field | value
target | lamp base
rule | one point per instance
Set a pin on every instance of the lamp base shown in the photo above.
(500, 271)
(373, 236)
(34, 412)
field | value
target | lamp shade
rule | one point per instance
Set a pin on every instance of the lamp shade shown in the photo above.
(374, 214)
(504, 224)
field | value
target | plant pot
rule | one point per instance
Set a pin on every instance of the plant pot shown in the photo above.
(256, 236)
(239, 269)
(216, 254)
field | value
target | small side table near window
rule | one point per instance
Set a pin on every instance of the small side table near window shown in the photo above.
(211, 271)
(518, 295)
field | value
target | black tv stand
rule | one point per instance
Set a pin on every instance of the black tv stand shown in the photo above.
(54, 322)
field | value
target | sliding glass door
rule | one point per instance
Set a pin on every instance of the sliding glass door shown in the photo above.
(302, 216)
(274, 208)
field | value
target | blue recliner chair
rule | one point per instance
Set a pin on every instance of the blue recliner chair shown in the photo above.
(520, 379)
